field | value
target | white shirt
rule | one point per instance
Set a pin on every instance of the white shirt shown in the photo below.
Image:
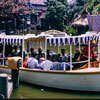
(32, 63)
(47, 64)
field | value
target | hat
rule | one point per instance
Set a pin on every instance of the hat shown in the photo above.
(93, 42)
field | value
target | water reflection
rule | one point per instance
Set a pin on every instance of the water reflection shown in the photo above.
(29, 91)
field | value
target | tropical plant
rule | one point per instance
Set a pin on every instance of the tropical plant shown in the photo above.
(70, 30)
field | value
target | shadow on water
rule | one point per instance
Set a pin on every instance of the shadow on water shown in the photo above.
(30, 91)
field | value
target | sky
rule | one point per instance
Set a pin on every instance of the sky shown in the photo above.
(71, 1)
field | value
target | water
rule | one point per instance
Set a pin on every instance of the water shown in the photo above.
(29, 91)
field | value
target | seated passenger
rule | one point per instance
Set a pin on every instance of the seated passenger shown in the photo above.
(63, 58)
(67, 66)
(76, 56)
(84, 55)
(24, 62)
(32, 62)
(41, 61)
(47, 64)
(56, 65)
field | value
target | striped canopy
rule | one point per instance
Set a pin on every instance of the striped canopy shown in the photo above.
(17, 39)
(75, 39)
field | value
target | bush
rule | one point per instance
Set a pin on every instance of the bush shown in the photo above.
(69, 30)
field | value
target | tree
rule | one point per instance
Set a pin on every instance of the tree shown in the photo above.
(13, 7)
(92, 4)
(70, 30)
(56, 14)
(96, 10)
(11, 10)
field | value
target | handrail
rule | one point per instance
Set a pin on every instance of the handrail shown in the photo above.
(2, 96)
(78, 62)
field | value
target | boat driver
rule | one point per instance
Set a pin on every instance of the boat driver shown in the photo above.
(84, 54)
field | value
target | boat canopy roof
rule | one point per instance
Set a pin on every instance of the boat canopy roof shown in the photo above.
(50, 39)
(76, 39)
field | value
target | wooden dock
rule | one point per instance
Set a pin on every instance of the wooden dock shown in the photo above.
(6, 87)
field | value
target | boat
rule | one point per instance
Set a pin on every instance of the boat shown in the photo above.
(85, 78)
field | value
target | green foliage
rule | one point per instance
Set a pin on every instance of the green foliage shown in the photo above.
(69, 30)
(81, 2)
(91, 6)
(96, 10)
(56, 14)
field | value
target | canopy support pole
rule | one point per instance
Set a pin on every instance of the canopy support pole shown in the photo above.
(79, 44)
(89, 54)
(70, 57)
(4, 51)
(22, 50)
(45, 48)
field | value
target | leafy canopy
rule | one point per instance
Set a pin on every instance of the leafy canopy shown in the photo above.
(56, 14)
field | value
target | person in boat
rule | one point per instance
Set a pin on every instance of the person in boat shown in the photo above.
(24, 62)
(63, 58)
(48, 52)
(52, 56)
(20, 53)
(32, 62)
(84, 54)
(31, 53)
(41, 61)
(39, 54)
(77, 56)
(15, 51)
(56, 64)
(43, 55)
(47, 64)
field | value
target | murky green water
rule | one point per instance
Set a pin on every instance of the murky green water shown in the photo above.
(29, 91)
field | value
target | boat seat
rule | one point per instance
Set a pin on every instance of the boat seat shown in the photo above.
(79, 64)
(94, 64)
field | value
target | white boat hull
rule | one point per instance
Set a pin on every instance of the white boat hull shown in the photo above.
(85, 81)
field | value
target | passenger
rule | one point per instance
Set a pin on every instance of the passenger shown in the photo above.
(59, 57)
(41, 62)
(48, 53)
(15, 51)
(20, 53)
(6, 58)
(39, 54)
(43, 55)
(84, 55)
(32, 62)
(56, 64)
(53, 54)
(67, 66)
(24, 62)
(63, 58)
(77, 56)
(31, 53)
(47, 64)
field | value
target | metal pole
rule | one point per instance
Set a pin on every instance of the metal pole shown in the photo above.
(45, 48)
(22, 50)
(4, 50)
(89, 54)
(70, 55)
(79, 44)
